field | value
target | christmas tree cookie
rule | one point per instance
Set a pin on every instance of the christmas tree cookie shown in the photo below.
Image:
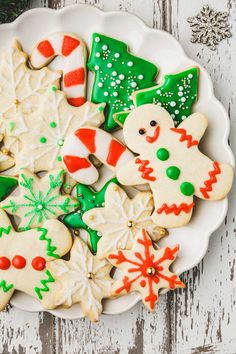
(88, 199)
(117, 75)
(176, 94)
(40, 199)
(24, 255)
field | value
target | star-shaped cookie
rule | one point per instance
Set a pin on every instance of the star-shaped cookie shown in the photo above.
(40, 199)
(145, 269)
(84, 279)
(121, 218)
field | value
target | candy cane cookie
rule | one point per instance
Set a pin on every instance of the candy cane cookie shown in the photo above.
(73, 51)
(92, 141)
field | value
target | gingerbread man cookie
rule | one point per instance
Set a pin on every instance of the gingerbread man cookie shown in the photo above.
(23, 258)
(170, 161)
(145, 270)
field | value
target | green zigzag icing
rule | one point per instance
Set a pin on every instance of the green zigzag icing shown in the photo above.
(44, 283)
(5, 287)
(50, 249)
(5, 230)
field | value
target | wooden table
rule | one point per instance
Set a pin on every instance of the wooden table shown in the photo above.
(200, 319)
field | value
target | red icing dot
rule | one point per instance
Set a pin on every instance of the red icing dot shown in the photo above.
(19, 262)
(4, 263)
(38, 263)
(143, 283)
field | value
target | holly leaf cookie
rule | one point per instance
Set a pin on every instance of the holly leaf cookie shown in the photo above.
(21, 89)
(176, 94)
(117, 75)
(145, 269)
(84, 279)
(24, 255)
(40, 199)
(88, 199)
(120, 219)
(54, 120)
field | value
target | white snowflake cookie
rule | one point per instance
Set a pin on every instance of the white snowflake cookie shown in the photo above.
(170, 161)
(83, 279)
(121, 218)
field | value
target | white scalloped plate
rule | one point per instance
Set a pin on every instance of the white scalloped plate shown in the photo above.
(162, 49)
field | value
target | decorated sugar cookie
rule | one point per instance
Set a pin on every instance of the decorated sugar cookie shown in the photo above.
(40, 199)
(88, 199)
(86, 141)
(54, 121)
(170, 162)
(73, 51)
(176, 94)
(23, 258)
(145, 269)
(21, 89)
(117, 75)
(121, 218)
(84, 279)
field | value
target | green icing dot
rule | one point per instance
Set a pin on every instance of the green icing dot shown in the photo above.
(187, 188)
(59, 158)
(101, 108)
(54, 88)
(163, 154)
(11, 126)
(66, 185)
(173, 172)
(60, 142)
(42, 140)
(53, 124)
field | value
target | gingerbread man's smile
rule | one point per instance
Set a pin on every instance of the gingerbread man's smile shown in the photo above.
(152, 139)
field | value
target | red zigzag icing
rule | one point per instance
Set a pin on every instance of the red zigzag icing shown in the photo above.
(175, 209)
(209, 182)
(145, 170)
(185, 137)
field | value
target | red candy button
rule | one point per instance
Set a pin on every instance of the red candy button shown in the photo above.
(38, 263)
(4, 263)
(19, 262)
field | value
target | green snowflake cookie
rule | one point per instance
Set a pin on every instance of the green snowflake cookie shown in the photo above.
(88, 199)
(117, 75)
(177, 95)
(40, 199)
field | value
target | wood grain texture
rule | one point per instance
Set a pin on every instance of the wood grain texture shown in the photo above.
(200, 319)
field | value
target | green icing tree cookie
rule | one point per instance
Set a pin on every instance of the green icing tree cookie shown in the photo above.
(177, 95)
(117, 75)
(88, 199)
(7, 184)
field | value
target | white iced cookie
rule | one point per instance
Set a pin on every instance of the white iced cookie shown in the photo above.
(170, 161)
(121, 218)
(145, 269)
(73, 51)
(20, 89)
(23, 257)
(96, 142)
(40, 199)
(83, 279)
(53, 122)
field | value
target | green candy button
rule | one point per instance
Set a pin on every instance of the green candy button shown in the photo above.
(173, 172)
(163, 154)
(187, 188)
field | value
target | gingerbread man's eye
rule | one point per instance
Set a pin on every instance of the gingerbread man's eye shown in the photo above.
(142, 131)
(153, 123)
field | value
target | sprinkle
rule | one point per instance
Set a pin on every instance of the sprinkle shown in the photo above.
(98, 55)
(100, 84)
(117, 55)
(97, 39)
(158, 92)
(104, 47)
(115, 94)
(173, 104)
(113, 84)
(96, 67)
(130, 63)
(190, 76)
(54, 88)
(121, 76)
(180, 93)
(105, 93)
(140, 77)
(181, 88)
(133, 84)
(183, 99)
(53, 124)
(114, 73)
(42, 140)
(109, 65)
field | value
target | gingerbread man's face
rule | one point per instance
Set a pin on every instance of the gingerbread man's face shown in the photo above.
(145, 125)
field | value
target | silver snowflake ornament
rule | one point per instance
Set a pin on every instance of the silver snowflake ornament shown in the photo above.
(209, 27)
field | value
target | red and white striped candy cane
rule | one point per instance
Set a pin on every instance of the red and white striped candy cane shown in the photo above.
(73, 51)
(86, 141)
